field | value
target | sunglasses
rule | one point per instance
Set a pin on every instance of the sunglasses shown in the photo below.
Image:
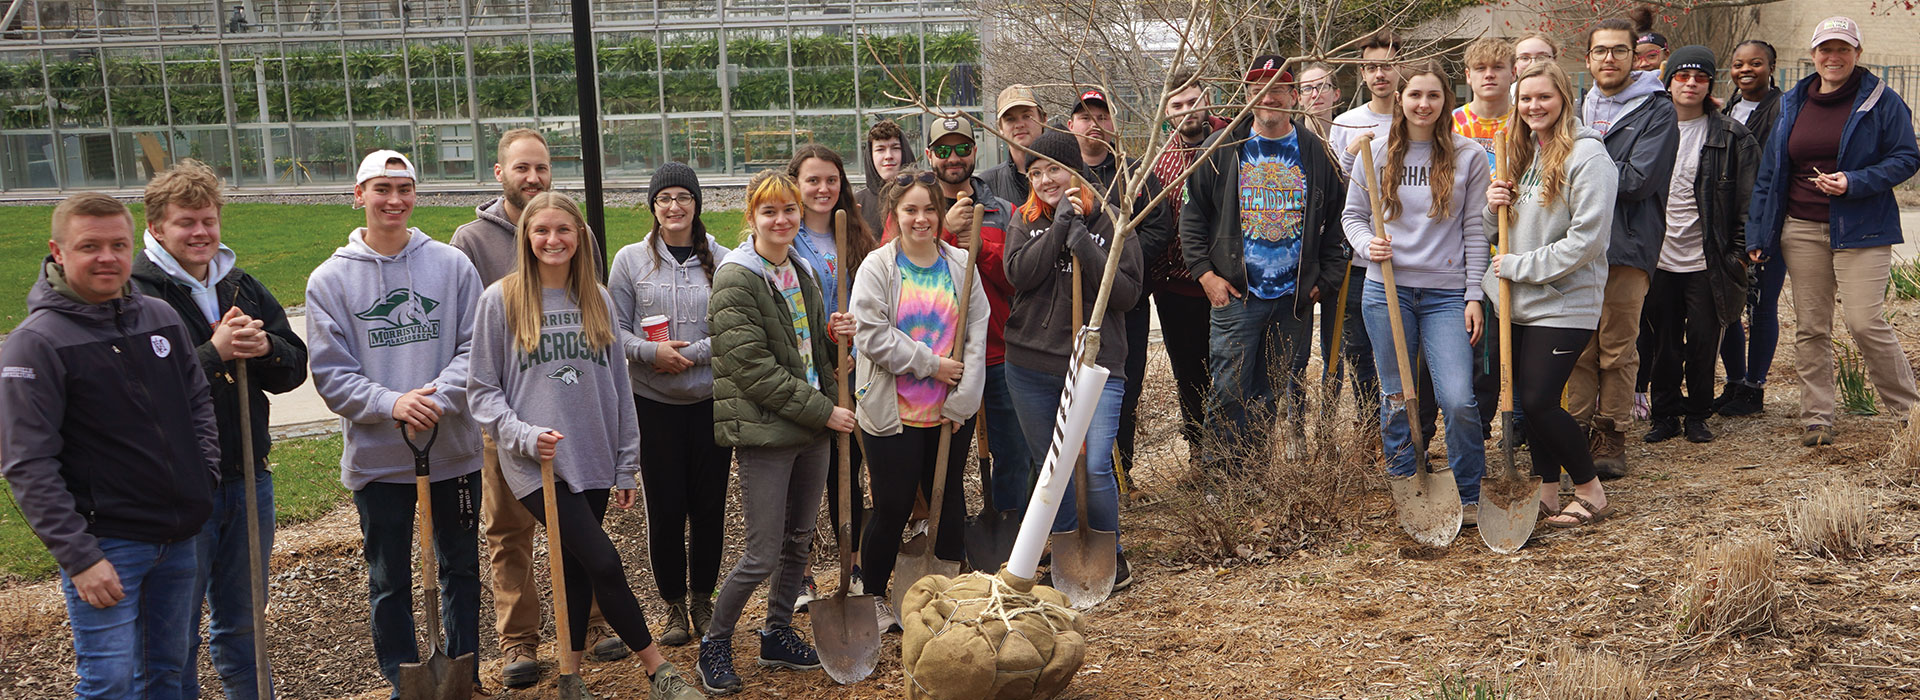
(1692, 76)
(904, 179)
(949, 150)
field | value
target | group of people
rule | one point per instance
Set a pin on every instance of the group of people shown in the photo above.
(695, 361)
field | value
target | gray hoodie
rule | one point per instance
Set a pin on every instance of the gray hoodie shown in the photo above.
(1442, 253)
(1558, 262)
(646, 281)
(380, 326)
(488, 241)
(1599, 110)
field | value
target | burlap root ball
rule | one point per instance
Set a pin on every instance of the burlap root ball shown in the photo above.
(989, 637)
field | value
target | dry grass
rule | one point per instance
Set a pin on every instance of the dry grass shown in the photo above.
(1730, 590)
(1571, 674)
(1903, 462)
(1832, 521)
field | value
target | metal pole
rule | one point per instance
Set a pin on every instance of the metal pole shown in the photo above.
(586, 68)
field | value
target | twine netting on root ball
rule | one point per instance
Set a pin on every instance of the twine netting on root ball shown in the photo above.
(997, 637)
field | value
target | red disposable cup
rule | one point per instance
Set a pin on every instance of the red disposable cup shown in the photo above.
(655, 327)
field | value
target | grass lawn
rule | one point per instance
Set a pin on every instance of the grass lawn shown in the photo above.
(306, 485)
(281, 243)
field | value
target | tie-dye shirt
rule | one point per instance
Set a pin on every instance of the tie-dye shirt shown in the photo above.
(928, 312)
(789, 283)
(1273, 194)
(1478, 128)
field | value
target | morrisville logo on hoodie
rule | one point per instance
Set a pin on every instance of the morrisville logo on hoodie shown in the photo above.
(566, 374)
(405, 313)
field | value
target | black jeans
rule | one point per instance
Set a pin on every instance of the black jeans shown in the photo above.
(1138, 321)
(685, 476)
(1686, 334)
(1356, 353)
(594, 571)
(903, 465)
(1183, 334)
(386, 528)
(1543, 358)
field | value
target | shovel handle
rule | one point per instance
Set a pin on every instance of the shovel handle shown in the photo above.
(563, 627)
(263, 677)
(1409, 384)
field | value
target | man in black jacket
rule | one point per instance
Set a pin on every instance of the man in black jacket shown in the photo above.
(228, 316)
(1261, 232)
(111, 451)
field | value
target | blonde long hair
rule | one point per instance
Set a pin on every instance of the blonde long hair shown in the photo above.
(1399, 140)
(520, 289)
(1554, 147)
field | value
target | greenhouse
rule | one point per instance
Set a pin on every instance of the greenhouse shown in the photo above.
(285, 94)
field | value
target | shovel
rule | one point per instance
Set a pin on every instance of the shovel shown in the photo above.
(256, 568)
(1083, 560)
(989, 536)
(1428, 501)
(1507, 510)
(570, 685)
(440, 677)
(917, 558)
(846, 632)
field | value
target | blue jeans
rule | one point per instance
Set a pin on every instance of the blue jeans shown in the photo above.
(1037, 393)
(1435, 324)
(136, 648)
(1012, 476)
(387, 526)
(1253, 342)
(223, 578)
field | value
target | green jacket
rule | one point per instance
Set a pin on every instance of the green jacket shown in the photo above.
(761, 397)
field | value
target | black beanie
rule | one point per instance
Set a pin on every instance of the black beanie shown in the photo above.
(1695, 57)
(674, 174)
(1060, 146)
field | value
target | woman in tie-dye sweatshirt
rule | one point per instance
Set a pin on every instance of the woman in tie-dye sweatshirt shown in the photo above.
(914, 389)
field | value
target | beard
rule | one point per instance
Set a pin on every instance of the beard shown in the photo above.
(515, 197)
(949, 176)
(1194, 129)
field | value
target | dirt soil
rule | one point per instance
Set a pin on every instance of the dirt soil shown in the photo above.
(1366, 614)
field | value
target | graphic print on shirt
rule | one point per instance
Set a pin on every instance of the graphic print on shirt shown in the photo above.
(561, 339)
(1480, 129)
(567, 374)
(405, 313)
(788, 282)
(929, 312)
(1273, 193)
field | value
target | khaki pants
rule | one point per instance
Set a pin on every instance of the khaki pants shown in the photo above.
(509, 529)
(1858, 277)
(1602, 381)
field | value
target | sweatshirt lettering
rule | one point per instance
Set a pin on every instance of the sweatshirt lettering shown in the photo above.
(558, 346)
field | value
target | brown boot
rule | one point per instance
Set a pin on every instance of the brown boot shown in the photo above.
(1609, 445)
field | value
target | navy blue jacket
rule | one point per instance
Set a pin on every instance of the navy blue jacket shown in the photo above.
(1877, 152)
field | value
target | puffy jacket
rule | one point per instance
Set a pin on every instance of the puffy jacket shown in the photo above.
(1642, 142)
(105, 422)
(886, 351)
(1721, 188)
(1212, 239)
(761, 397)
(282, 369)
(1877, 152)
(1008, 181)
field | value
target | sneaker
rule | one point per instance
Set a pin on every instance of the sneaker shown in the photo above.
(699, 613)
(1122, 573)
(1817, 435)
(604, 645)
(676, 632)
(1469, 515)
(668, 684)
(1697, 431)
(716, 667)
(807, 596)
(1750, 401)
(1642, 407)
(883, 612)
(919, 528)
(522, 669)
(782, 647)
(855, 584)
(1664, 428)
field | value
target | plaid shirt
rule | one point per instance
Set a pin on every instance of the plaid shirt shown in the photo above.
(1169, 271)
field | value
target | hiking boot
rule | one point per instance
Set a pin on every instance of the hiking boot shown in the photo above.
(700, 612)
(883, 613)
(1664, 428)
(1750, 401)
(1469, 515)
(668, 684)
(1697, 430)
(522, 669)
(1122, 573)
(604, 645)
(782, 647)
(807, 596)
(1728, 392)
(716, 667)
(676, 633)
(1609, 448)
(1817, 435)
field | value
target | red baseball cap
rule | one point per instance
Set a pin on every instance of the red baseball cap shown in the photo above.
(1091, 97)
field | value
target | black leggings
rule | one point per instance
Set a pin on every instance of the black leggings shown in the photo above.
(685, 475)
(833, 487)
(594, 572)
(903, 465)
(1543, 358)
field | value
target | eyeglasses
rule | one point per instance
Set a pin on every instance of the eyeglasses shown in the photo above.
(904, 179)
(680, 199)
(949, 150)
(1317, 88)
(1615, 52)
(1692, 76)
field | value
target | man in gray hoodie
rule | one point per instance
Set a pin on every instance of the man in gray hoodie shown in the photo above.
(1635, 116)
(389, 326)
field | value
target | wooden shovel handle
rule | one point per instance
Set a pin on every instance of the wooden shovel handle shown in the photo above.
(1408, 382)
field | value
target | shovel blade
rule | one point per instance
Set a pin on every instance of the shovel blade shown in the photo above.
(917, 561)
(438, 678)
(989, 540)
(1508, 512)
(846, 632)
(573, 687)
(1083, 564)
(1428, 505)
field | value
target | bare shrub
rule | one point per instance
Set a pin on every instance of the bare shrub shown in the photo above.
(1571, 674)
(1903, 462)
(1730, 589)
(1832, 521)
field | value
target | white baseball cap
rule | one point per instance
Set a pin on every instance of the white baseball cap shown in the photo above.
(1840, 28)
(375, 165)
